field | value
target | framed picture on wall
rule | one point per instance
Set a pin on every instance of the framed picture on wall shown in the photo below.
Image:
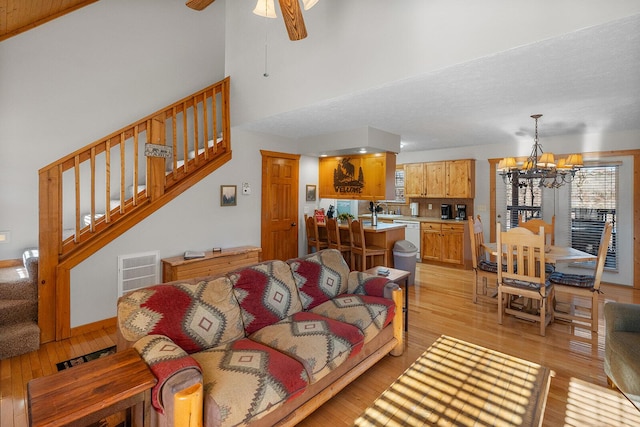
(228, 195)
(311, 193)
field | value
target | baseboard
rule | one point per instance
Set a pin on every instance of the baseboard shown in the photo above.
(95, 326)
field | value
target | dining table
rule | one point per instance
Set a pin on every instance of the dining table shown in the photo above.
(553, 254)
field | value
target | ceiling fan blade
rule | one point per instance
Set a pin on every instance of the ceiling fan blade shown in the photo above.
(293, 20)
(198, 4)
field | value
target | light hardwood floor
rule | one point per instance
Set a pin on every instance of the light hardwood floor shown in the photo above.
(440, 304)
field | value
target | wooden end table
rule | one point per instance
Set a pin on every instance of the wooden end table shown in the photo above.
(86, 393)
(396, 276)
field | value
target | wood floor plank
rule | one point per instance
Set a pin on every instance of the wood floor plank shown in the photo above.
(439, 304)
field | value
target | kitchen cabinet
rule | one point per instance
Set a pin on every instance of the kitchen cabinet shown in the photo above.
(445, 243)
(414, 180)
(446, 179)
(358, 177)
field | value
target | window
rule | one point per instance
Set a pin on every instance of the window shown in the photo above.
(594, 201)
(586, 204)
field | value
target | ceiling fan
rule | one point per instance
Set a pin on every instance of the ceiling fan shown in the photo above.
(291, 13)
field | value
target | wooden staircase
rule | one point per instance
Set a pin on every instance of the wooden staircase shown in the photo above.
(19, 331)
(92, 196)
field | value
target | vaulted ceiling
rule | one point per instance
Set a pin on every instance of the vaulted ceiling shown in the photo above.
(18, 16)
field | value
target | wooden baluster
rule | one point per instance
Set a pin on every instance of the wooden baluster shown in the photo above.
(107, 168)
(174, 142)
(196, 145)
(122, 175)
(214, 114)
(76, 171)
(206, 125)
(185, 136)
(135, 165)
(92, 226)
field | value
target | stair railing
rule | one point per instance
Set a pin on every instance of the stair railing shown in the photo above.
(95, 194)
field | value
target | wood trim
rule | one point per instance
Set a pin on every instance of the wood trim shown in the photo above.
(9, 263)
(635, 154)
(111, 322)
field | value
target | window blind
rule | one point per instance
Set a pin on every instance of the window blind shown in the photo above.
(594, 201)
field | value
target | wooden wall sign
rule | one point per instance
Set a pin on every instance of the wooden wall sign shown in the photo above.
(359, 177)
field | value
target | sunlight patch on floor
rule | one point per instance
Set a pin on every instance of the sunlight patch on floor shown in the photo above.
(592, 405)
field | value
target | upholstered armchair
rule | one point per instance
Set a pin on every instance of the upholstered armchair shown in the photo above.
(622, 347)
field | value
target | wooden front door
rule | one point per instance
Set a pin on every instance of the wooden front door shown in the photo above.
(279, 225)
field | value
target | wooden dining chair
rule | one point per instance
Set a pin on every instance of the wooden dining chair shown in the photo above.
(523, 252)
(313, 236)
(575, 286)
(360, 249)
(335, 241)
(485, 286)
(534, 226)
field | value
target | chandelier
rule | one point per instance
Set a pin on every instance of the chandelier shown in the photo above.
(539, 168)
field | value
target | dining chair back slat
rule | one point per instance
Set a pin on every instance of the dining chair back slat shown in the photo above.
(523, 278)
(485, 286)
(534, 226)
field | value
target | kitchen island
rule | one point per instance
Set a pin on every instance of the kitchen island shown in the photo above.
(384, 235)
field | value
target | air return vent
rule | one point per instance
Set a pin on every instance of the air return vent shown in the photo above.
(137, 271)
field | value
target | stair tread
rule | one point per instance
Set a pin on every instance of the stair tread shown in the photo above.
(19, 338)
(17, 311)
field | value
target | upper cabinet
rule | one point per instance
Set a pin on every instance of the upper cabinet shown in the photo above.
(358, 177)
(446, 179)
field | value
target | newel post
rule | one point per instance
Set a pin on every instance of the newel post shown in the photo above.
(156, 166)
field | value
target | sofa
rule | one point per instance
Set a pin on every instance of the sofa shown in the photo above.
(263, 345)
(622, 348)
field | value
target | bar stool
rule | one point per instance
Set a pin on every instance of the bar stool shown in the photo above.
(335, 242)
(313, 236)
(359, 247)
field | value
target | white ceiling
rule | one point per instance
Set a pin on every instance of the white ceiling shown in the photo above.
(584, 82)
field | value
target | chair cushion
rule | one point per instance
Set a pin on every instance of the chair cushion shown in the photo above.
(266, 292)
(367, 313)
(577, 280)
(490, 266)
(245, 380)
(320, 277)
(319, 343)
(524, 284)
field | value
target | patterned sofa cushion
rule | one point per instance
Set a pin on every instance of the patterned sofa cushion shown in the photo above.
(577, 280)
(367, 284)
(244, 380)
(266, 292)
(319, 343)
(164, 358)
(320, 276)
(367, 313)
(195, 314)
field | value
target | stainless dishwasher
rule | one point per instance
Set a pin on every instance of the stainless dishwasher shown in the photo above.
(411, 232)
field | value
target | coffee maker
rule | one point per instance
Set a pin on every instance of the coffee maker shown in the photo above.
(461, 212)
(445, 211)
